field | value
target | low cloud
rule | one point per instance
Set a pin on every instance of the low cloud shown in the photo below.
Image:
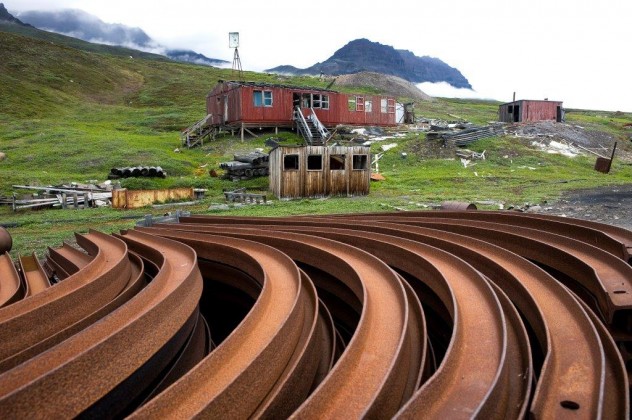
(445, 90)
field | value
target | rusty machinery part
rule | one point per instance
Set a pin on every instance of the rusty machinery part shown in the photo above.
(407, 315)
(457, 206)
(6, 242)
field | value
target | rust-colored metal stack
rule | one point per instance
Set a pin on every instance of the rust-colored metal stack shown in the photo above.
(453, 314)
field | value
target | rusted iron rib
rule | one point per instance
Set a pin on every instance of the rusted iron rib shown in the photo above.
(69, 258)
(612, 239)
(258, 350)
(10, 285)
(478, 345)
(21, 324)
(6, 242)
(356, 383)
(552, 308)
(609, 279)
(84, 373)
(35, 278)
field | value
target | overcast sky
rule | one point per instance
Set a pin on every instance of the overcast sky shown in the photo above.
(576, 51)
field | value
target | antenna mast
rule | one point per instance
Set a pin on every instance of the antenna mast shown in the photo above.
(233, 42)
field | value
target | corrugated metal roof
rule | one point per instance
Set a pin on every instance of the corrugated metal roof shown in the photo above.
(274, 85)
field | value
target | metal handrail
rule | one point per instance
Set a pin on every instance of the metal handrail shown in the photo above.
(303, 126)
(319, 126)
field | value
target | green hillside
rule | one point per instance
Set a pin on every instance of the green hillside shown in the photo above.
(71, 111)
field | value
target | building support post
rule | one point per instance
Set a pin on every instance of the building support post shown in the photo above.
(242, 131)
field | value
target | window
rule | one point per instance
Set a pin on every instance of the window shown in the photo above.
(352, 103)
(360, 162)
(337, 162)
(510, 109)
(368, 106)
(390, 105)
(314, 162)
(320, 101)
(324, 102)
(290, 163)
(383, 106)
(359, 103)
(262, 98)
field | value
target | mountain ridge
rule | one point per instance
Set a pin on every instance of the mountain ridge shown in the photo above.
(81, 25)
(364, 55)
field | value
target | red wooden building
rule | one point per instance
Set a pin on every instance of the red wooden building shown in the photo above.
(254, 104)
(531, 110)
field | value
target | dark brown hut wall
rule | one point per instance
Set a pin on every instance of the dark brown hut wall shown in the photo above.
(316, 171)
(530, 110)
(234, 103)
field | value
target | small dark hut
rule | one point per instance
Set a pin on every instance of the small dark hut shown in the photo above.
(318, 171)
(525, 110)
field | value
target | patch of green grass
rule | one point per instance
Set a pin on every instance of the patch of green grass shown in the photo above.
(70, 112)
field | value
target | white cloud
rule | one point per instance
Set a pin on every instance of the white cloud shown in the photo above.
(570, 50)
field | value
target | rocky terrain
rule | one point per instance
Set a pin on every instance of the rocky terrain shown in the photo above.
(363, 55)
(392, 85)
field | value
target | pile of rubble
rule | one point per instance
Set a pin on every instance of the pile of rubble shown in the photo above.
(64, 196)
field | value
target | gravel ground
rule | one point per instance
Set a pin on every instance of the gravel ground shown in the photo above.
(611, 205)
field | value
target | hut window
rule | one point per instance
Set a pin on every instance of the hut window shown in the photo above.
(360, 162)
(337, 162)
(359, 103)
(320, 101)
(314, 162)
(510, 109)
(391, 106)
(324, 102)
(262, 98)
(368, 106)
(383, 106)
(290, 162)
(352, 103)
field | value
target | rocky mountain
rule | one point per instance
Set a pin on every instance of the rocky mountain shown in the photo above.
(5, 16)
(87, 27)
(364, 55)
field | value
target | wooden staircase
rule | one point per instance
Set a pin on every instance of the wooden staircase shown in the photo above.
(312, 130)
(196, 133)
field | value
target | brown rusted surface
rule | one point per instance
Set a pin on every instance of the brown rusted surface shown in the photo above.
(34, 276)
(405, 315)
(128, 199)
(6, 242)
(10, 285)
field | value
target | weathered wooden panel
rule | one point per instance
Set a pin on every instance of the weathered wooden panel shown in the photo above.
(529, 110)
(338, 163)
(314, 171)
(360, 171)
(233, 103)
(126, 199)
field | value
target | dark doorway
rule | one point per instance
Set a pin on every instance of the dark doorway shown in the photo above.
(516, 113)
(558, 116)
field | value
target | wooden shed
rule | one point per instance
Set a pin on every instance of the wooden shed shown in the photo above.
(531, 110)
(318, 171)
(254, 104)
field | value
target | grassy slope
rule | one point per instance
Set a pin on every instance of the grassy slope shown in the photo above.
(70, 114)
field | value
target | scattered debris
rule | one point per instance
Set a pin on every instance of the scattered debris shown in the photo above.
(137, 171)
(242, 196)
(3, 156)
(247, 166)
(457, 206)
(469, 154)
(377, 177)
(603, 164)
(464, 134)
(65, 196)
(557, 147)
